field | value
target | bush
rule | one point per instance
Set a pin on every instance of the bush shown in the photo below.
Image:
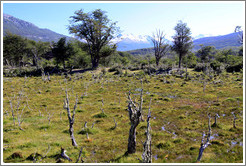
(235, 68)
(100, 115)
(164, 145)
(179, 141)
(199, 67)
(104, 71)
(116, 69)
(15, 155)
(216, 66)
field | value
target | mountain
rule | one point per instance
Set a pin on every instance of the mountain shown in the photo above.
(229, 41)
(126, 42)
(136, 44)
(219, 42)
(28, 30)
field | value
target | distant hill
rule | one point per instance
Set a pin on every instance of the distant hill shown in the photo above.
(229, 41)
(219, 42)
(28, 30)
(140, 45)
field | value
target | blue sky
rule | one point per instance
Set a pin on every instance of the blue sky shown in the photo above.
(207, 18)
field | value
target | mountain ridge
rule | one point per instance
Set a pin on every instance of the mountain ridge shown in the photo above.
(29, 30)
(125, 42)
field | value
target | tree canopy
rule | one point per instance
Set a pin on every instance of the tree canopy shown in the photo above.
(97, 30)
(182, 40)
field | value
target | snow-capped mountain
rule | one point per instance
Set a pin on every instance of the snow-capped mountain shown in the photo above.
(202, 36)
(127, 42)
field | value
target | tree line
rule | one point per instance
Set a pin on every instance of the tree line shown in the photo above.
(97, 31)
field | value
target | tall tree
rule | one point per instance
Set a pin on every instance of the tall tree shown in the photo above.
(97, 30)
(160, 46)
(62, 51)
(14, 50)
(182, 40)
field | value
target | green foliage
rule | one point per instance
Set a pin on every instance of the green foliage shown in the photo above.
(199, 67)
(38, 50)
(62, 51)
(97, 30)
(182, 40)
(190, 59)
(79, 57)
(206, 53)
(116, 69)
(215, 65)
(14, 50)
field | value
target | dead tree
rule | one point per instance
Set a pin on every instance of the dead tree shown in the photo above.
(160, 46)
(49, 116)
(64, 155)
(215, 120)
(204, 145)
(71, 118)
(43, 75)
(19, 118)
(16, 111)
(135, 113)
(48, 76)
(141, 102)
(93, 125)
(45, 153)
(147, 154)
(12, 110)
(115, 124)
(80, 153)
(234, 120)
(85, 125)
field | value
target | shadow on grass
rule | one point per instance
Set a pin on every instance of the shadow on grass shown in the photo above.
(117, 160)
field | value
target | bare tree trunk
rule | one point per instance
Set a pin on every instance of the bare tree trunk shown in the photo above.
(204, 146)
(180, 60)
(19, 118)
(80, 153)
(160, 45)
(12, 111)
(115, 124)
(186, 76)
(234, 120)
(132, 139)
(147, 154)
(71, 119)
(135, 117)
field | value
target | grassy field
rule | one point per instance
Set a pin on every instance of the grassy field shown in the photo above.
(178, 117)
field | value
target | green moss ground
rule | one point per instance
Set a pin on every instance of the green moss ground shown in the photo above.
(179, 116)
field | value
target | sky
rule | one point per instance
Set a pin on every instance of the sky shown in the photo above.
(206, 18)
